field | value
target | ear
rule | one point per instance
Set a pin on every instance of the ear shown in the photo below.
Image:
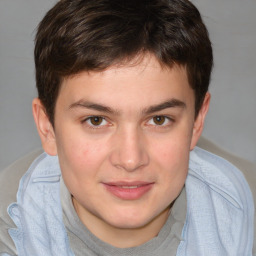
(199, 122)
(44, 127)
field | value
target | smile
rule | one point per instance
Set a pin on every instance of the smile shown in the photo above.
(126, 191)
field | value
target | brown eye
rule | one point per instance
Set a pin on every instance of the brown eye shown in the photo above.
(96, 120)
(159, 120)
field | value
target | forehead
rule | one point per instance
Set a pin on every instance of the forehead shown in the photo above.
(136, 81)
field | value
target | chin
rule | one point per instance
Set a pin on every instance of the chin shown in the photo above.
(133, 220)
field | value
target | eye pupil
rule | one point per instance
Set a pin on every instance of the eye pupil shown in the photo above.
(96, 120)
(159, 120)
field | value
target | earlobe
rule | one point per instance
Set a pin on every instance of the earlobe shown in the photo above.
(199, 122)
(44, 127)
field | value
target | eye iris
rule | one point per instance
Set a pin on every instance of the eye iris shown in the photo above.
(96, 120)
(159, 120)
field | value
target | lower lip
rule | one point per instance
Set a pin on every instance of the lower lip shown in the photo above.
(129, 193)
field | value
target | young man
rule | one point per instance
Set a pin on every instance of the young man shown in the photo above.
(123, 95)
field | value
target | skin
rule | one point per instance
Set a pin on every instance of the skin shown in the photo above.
(126, 125)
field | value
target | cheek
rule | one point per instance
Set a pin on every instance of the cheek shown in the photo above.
(173, 151)
(81, 163)
(80, 157)
(171, 158)
(175, 164)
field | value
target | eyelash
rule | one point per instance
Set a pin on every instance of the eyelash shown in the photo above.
(90, 125)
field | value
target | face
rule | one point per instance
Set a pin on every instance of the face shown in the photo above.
(123, 138)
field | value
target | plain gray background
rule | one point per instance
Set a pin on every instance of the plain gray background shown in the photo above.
(231, 122)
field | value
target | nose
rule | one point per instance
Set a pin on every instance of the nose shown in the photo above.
(129, 150)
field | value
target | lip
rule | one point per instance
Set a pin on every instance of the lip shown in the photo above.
(128, 190)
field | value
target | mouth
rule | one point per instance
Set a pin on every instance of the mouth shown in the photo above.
(128, 190)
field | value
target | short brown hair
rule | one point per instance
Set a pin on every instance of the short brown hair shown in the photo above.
(92, 35)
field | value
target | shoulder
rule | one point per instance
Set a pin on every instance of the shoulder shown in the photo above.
(220, 205)
(220, 175)
(9, 183)
(247, 168)
(10, 177)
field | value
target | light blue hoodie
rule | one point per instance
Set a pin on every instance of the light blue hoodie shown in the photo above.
(219, 218)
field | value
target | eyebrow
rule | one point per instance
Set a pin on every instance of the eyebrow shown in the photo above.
(94, 106)
(171, 103)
